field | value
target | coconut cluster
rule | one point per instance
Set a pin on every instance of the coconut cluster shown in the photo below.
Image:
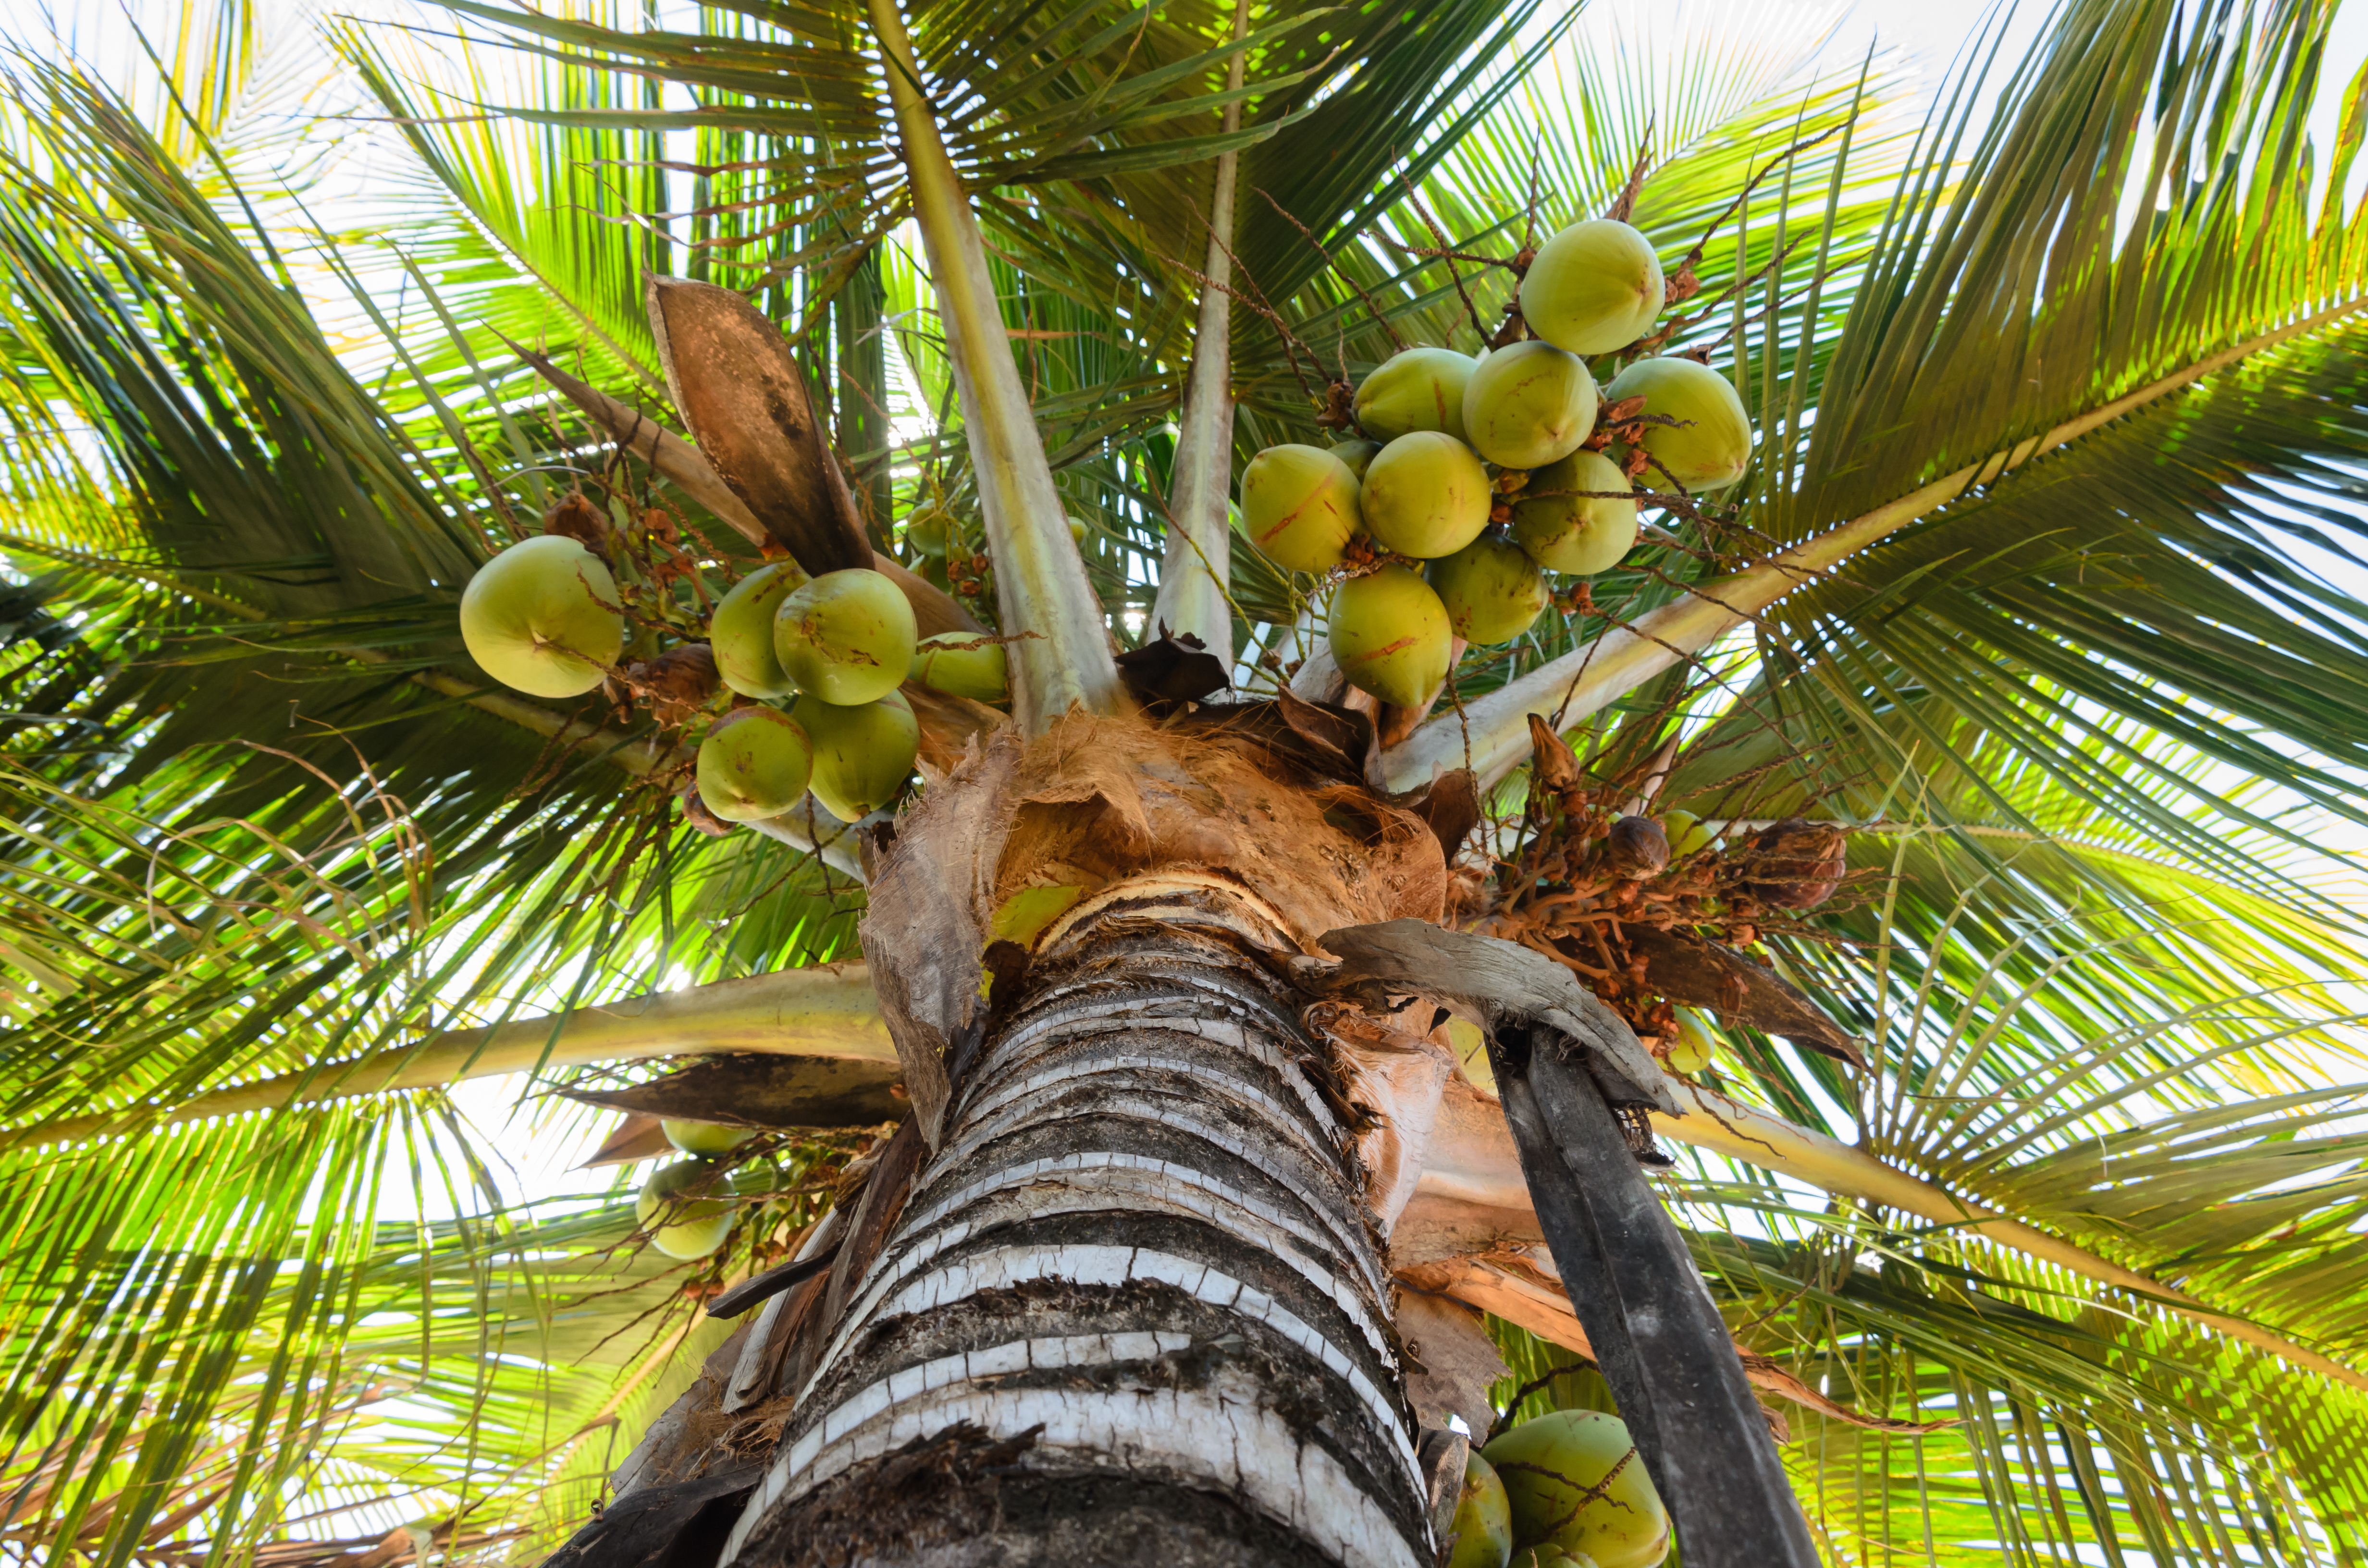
(1471, 478)
(687, 1207)
(814, 665)
(1565, 1490)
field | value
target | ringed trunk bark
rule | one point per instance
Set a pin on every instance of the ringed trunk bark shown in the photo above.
(1133, 1308)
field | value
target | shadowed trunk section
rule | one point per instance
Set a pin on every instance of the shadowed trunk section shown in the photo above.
(1133, 1306)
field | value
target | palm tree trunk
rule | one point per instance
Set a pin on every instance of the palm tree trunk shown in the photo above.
(1133, 1306)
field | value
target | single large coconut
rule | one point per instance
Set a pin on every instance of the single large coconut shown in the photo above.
(846, 637)
(1528, 405)
(1595, 287)
(707, 1137)
(1712, 446)
(1483, 1520)
(1571, 517)
(862, 755)
(543, 618)
(963, 663)
(1576, 1482)
(1415, 389)
(1299, 505)
(740, 633)
(755, 763)
(1389, 635)
(682, 1227)
(1491, 588)
(1426, 496)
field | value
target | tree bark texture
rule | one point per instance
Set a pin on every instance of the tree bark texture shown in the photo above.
(1134, 1307)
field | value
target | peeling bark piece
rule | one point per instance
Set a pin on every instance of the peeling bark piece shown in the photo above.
(733, 377)
(1499, 983)
(1657, 1335)
(1444, 1456)
(750, 1090)
(679, 1525)
(1704, 974)
(924, 921)
(1172, 669)
(1451, 804)
(1455, 1360)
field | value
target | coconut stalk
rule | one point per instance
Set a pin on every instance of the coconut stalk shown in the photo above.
(1193, 599)
(1491, 735)
(1064, 661)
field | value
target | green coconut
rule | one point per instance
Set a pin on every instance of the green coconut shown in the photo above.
(1357, 455)
(755, 763)
(1527, 404)
(1712, 446)
(1426, 496)
(1483, 1520)
(1567, 522)
(1492, 590)
(929, 533)
(1595, 287)
(740, 633)
(543, 618)
(862, 755)
(963, 663)
(1549, 1557)
(1691, 1051)
(1686, 834)
(682, 1227)
(1575, 1481)
(1389, 635)
(1415, 389)
(708, 1138)
(1299, 505)
(846, 637)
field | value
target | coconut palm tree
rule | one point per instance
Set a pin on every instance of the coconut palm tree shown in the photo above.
(2023, 1174)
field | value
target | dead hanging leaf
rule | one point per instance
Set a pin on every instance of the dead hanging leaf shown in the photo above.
(1454, 1361)
(636, 1137)
(750, 1089)
(1169, 669)
(1705, 974)
(732, 375)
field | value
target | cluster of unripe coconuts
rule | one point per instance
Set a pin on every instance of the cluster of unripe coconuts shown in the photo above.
(1565, 1490)
(1492, 470)
(544, 617)
(679, 1206)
